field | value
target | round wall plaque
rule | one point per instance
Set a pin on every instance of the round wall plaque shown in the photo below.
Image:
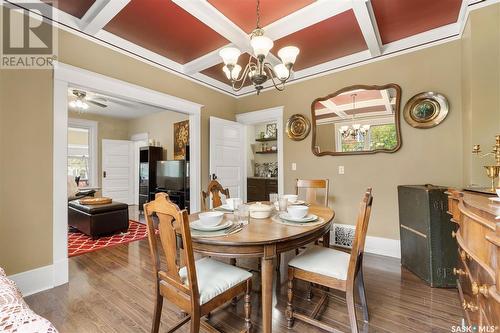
(298, 127)
(426, 110)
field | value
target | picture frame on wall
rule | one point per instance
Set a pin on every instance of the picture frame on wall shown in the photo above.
(181, 139)
(271, 130)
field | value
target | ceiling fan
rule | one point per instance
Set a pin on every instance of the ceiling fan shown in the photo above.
(82, 100)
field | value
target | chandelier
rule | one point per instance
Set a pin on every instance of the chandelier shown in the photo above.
(79, 103)
(258, 71)
(356, 132)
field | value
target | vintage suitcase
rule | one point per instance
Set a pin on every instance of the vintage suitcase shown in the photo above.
(427, 248)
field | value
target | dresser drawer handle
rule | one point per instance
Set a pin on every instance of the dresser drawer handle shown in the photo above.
(459, 271)
(482, 289)
(469, 306)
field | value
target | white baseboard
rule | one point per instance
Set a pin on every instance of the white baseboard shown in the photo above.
(35, 280)
(61, 272)
(383, 246)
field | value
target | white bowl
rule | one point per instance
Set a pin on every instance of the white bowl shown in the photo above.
(292, 198)
(298, 212)
(260, 210)
(211, 219)
(233, 203)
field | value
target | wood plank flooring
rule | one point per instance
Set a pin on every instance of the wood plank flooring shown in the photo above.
(111, 290)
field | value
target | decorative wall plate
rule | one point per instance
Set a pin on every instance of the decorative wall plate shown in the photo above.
(426, 110)
(298, 127)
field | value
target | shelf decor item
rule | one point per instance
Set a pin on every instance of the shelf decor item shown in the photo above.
(492, 171)
(298, 127)
(426, 110)
(271, 131)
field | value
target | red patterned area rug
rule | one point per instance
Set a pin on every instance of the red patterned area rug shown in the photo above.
(79, 243)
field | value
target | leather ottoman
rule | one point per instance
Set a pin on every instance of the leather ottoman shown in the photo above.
(98, 220)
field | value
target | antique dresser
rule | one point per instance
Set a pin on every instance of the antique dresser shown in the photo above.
(477, 221)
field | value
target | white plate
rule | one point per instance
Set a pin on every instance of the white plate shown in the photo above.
(224, 207)
(197, 225)
(496, 199)
(308, 218)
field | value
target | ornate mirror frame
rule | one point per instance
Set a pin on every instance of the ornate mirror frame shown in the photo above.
(397, 119)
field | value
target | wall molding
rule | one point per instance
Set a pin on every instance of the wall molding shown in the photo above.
(35, 280)
(383, 246)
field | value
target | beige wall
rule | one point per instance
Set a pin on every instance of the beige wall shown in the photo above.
(107, 128)
(159, 126)
(480, 90)
(427, 156)
(26, 169)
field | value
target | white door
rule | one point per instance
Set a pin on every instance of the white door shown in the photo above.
(227, 154)
(117, 170)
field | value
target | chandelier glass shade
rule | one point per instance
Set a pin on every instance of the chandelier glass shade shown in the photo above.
(258, 70)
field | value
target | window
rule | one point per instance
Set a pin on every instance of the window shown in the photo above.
(82, 162)
(380, 136)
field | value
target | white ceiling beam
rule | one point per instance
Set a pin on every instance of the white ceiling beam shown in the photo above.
(211, 17)
(316, 12)
(386, 99)
(331, 106)
(366, 21)
(100, 13)
(348, 107)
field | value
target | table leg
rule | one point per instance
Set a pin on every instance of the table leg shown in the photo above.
(326, 239)
(267, 270)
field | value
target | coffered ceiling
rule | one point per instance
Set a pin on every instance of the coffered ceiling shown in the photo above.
(185, 36)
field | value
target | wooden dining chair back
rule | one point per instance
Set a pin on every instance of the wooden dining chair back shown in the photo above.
(216, 191)
(311, 188)
(178, 281)
(334, 269)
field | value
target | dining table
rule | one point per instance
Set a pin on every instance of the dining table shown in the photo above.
(266, 239)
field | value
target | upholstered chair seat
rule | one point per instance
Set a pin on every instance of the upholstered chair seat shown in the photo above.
(215, 277)
(324, 261)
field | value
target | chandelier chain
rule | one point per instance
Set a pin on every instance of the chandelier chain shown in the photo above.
(258, 14)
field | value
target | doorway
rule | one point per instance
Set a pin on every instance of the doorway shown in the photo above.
(257, 121)
(66, 76)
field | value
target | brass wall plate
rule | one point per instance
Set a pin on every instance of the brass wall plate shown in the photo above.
(426, 110)
(298, 127)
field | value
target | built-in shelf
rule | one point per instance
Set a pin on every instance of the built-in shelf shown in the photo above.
(266, 139)
(266, 152)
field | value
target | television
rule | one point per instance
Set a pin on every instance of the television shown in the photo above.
(171, 175)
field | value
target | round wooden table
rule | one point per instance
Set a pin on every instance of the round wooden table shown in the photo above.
(265, 239)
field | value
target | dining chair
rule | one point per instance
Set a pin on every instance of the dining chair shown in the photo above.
(216, 190)
(311, 187)
(196, 287)
(334, 269)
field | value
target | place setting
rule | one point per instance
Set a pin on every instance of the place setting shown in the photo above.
(224, 220)
(291, 212)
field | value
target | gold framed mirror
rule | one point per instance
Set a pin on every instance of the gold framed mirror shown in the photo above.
(359, 119)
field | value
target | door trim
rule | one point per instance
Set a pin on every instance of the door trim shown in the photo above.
(261, 116)
(66, 76)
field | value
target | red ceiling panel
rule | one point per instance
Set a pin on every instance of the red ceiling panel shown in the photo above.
(400, 19)
(215, 72)
(330, 39)
(243, 12)
(77, 8)
(163, 27)
(361, 95)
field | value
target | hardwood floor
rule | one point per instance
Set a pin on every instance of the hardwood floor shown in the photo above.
(111, 290)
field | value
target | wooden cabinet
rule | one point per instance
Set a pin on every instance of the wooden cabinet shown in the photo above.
(258, 189)
(478, 271)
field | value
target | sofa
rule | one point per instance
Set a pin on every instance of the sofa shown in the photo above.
(15, 315)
